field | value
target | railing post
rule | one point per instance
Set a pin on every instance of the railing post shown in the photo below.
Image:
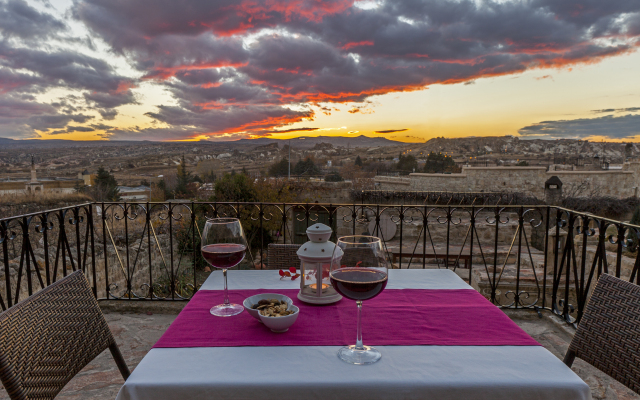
(518, 261)
(261, 217)
(4, 230)
(619, 250)
(546, 252)
(284, 223)
(472, 226)
(424, 237)
(172, 280)
(126, 243)
(45, 242)
(580, 292)
(194, 254)
(335, 233)
(93, 252)
(401, 236)
(569, 251)
(148, 218)
(4, 238)
(62, 239)
(354, 214)
(25, 253)
(494, 286)
(105, 252)
(446, 259)
(556, 275)
(76, 217)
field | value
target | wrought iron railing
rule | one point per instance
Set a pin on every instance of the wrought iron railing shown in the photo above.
(531, 257)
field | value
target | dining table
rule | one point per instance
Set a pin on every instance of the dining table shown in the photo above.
(439, 339)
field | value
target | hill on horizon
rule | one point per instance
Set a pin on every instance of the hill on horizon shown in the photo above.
(336, 141)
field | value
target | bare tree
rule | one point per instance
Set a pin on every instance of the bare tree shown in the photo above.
(581, 189)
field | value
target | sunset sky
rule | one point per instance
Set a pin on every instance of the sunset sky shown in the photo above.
(407, 70)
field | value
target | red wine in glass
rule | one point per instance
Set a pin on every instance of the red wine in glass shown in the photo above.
(359, 283)
(224, 255)
(223, 246)
(359, 269)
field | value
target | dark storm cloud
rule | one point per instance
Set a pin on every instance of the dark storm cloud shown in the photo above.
(20, 118)
(609, 126)
(110, 99)
(71, 129)
(64, 68)
(18, 19)
(55, 121)
(31, 63)
(108, 114)
(392, 130)
(13, 107)
(610, 110)
(121, 24)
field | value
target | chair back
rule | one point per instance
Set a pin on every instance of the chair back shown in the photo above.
(282, 256)
(608, 336)
(49, 337)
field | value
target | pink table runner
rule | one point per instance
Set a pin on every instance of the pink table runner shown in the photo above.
(406, 317)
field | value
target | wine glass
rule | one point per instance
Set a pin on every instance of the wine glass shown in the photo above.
(224, 246)
(359, 272)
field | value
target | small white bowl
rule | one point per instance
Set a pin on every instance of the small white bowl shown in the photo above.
(250, 301)
(281, 324)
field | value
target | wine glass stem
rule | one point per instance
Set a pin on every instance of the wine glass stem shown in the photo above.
(226, 293)
(359, 345)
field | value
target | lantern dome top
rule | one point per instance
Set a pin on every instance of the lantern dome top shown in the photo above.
(318, 247)
(319, 233)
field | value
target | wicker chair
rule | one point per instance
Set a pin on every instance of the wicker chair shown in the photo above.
(282, 256)
(608, 336)
(49, 337)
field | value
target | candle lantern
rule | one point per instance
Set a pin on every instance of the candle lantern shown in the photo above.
(315, 257)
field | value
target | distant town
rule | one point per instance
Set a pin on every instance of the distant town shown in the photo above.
(144, 171)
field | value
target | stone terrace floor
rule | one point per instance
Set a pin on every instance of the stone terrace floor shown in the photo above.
(136, 332)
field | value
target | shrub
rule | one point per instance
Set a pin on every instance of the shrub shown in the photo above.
(438, 163)
(407, 163)
(333, 177)
(281, 168)
(306, 167)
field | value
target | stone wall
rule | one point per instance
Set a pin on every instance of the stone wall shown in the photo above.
(529, 180)
(327, 192)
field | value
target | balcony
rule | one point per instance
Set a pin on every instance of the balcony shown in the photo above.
(538, 263)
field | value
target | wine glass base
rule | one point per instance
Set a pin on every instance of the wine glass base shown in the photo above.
(226, 310)
(351, 355)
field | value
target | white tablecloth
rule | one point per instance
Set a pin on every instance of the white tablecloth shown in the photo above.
(404, 372)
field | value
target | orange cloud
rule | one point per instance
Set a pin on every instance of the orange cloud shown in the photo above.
(164, 73)
(357, 44)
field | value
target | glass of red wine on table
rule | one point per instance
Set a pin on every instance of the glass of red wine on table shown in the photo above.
(359, 274)
(223, 247)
